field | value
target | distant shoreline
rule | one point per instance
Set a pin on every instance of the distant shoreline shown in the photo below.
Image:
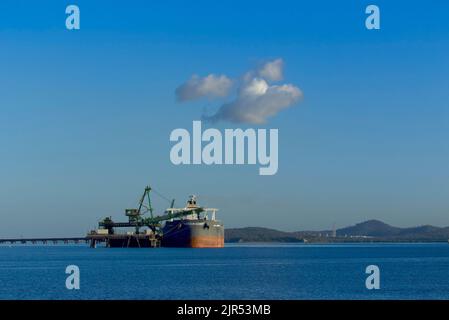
(375, 241)
(366, 232)
(332, 243)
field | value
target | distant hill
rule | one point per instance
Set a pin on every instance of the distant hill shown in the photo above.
(379, 229)
(371, 230)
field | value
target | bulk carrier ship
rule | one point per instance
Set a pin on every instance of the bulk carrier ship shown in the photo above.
(194, 230)
(190, 227)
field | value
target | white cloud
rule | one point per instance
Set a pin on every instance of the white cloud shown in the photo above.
(257, 101)
(272, 70)
(210, 86)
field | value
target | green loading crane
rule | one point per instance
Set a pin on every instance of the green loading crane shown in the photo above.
(137, 219)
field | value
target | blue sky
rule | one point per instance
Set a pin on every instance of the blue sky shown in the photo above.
(86, 115)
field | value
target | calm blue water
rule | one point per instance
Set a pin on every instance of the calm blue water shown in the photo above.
(408, 271)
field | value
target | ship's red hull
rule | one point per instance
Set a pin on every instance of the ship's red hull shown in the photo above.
(207, 242)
